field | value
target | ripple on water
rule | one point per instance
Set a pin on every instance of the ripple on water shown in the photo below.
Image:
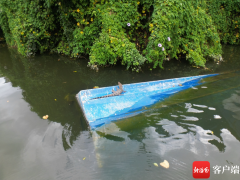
(121, 150)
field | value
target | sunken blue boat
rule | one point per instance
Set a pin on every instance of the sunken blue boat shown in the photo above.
(132, 102)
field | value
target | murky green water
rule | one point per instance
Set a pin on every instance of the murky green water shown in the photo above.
(182, 129)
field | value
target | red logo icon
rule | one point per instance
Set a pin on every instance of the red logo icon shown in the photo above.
(201, 169)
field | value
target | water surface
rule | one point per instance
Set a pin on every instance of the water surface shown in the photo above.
(193, 125)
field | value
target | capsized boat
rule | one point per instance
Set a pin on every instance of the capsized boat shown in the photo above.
(137, 98)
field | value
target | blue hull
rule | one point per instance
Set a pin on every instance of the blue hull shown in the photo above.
(138, 95)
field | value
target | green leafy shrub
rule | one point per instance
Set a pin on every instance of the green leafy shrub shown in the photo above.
(28, 25)
(130, 32)
(114, 42)
(178, 27)
(226, 17)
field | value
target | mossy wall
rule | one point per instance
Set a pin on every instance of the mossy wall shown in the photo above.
(133, 32)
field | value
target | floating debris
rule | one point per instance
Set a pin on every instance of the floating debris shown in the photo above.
(217, 117)
(211, 108)
(194, 88)
(210, 133)
(74, 71)
(45, 117)
(155, 164)
(95, 87)
(174, 115)
(203, 86)
(165, 164)
(84, 158)
(180, 85)
(55, 99)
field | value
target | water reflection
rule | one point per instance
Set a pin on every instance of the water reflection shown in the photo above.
(180, 129)
(44, 89)
(32, 148)
(50, 82)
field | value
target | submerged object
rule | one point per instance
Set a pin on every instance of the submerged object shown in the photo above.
(138, 96)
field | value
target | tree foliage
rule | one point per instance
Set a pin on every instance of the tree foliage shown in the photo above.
(131, 32)
(226, 17)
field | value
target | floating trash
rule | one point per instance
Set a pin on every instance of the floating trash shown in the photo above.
(45, 117)
(194, 88)
(211, 108)
(210, 133)
(95, 87)
(217, 117)
(84, 158)
(165, 164)
(203, 86)
(174, 115)
(155, 164)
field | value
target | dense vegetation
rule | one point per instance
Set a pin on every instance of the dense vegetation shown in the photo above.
(130, 32)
